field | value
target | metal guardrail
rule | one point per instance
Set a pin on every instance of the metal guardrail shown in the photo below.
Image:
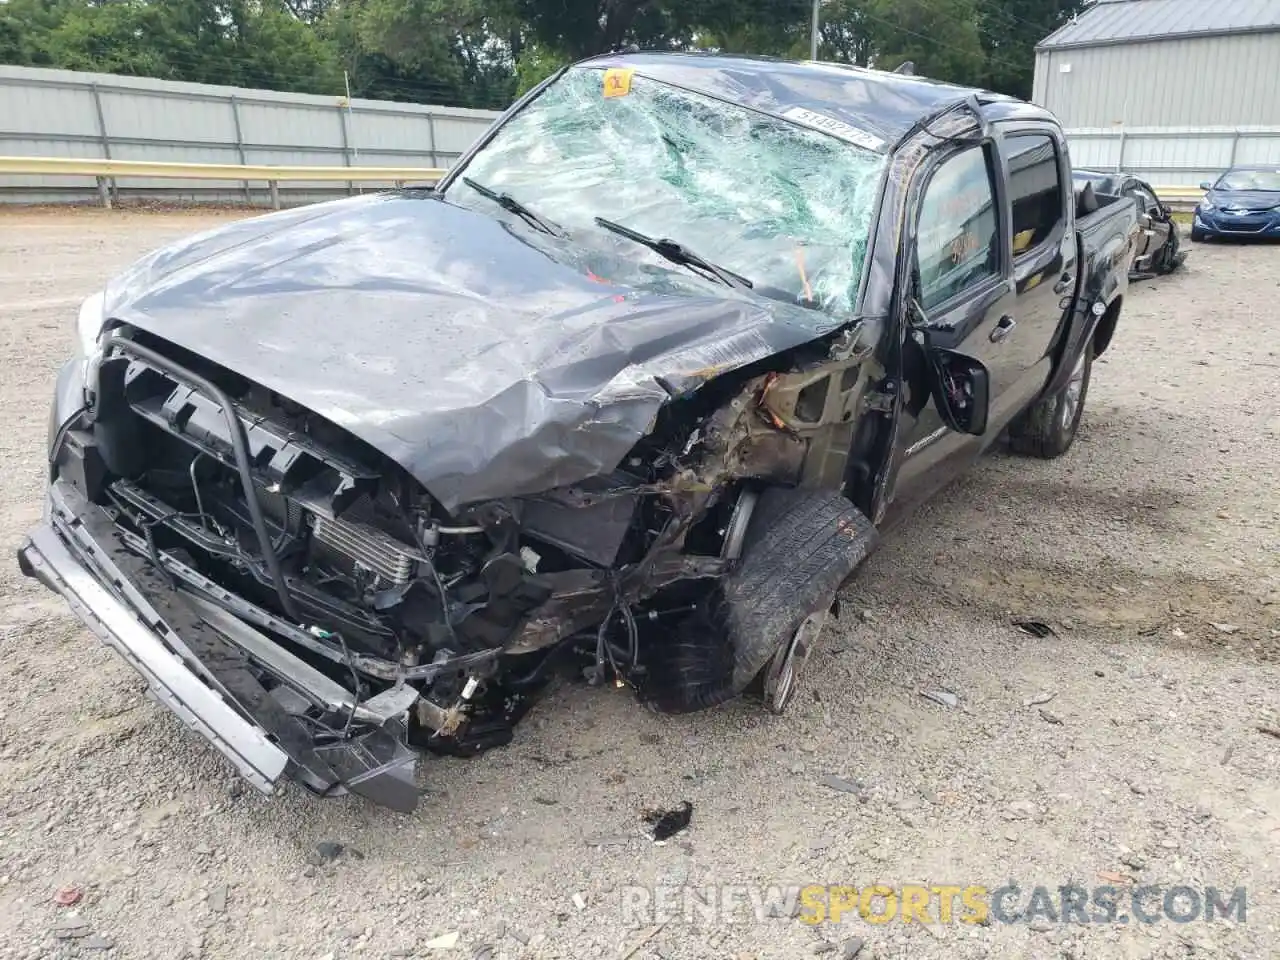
(105, 171)
(1180, 193)
(1180, 199)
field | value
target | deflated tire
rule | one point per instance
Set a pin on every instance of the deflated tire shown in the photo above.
(800, 546)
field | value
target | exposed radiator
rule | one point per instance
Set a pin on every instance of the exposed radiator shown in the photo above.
(370, 548)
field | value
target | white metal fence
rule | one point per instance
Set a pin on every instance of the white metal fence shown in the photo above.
(1176, 157)
(61, 113)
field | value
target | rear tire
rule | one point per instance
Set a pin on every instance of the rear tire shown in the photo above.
(1048, 428)
(1169, 259)
(800, 546)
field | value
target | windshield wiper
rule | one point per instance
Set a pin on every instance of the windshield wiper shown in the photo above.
(670, 250)
(512, 205)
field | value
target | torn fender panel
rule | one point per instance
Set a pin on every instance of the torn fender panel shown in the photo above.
(487, 360)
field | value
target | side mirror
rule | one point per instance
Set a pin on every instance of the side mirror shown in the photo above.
(961, 390)
(1206, 185)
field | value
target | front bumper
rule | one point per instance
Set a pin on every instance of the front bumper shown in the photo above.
(1263, 224)
(49, 558)
(248, 696)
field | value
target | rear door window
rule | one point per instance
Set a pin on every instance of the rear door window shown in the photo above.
(957, 238)
(1035, 190)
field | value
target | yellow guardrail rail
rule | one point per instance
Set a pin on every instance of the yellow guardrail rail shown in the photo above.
(107, 170)
(1180, 199)
(1179, 193)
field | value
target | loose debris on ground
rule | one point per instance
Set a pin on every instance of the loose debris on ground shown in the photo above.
(944, 697)
(662, 825)
(1035, 628)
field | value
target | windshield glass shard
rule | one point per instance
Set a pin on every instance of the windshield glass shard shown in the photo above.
(767, 198)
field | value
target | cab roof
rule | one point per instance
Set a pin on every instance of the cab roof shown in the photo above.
(886, 105)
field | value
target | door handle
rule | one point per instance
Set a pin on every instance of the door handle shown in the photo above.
(1003, 329)
(1065, 283)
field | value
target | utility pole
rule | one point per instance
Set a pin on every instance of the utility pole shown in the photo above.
(346, 82)
(813, 39)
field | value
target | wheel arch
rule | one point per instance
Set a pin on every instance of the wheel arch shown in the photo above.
(1106, 328)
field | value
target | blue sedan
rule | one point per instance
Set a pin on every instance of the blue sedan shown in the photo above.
(1245, 202)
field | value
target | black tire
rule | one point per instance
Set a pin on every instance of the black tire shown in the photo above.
(1048, 428)
(1198, 236)
(1169, 255)
(800, 546)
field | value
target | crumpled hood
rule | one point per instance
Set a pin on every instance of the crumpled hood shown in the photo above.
(485, 359)
(1251, 200)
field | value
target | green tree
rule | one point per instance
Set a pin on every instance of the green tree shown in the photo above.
(575, 29)
(1010, 30)
(847, 34)
(580, 28)
(941, 37)
(780, 28)
(256, 43)
(286, 53)
(459, 53)
(483, 52)
(309, 11)
(179, 41)
(535, 64)
(25, 26)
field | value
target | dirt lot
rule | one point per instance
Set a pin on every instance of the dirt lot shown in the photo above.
(1153, 549)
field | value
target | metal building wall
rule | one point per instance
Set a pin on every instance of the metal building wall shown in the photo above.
(62, 113)
(1172, 111)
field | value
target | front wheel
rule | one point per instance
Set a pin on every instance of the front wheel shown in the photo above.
(1048, 428)
(757, 626)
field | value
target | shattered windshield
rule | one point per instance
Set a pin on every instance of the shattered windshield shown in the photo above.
(785, 206)
(1268, 180)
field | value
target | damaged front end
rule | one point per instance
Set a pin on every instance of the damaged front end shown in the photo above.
(309, 607)
(355, 479)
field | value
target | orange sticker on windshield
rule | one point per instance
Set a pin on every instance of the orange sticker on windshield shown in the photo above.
(617, 82)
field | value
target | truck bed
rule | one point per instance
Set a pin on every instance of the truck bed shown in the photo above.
(1106, 224)
(1093, 205)
(1105, 229)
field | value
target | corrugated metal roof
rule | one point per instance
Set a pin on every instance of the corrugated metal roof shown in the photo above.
(1117, 21)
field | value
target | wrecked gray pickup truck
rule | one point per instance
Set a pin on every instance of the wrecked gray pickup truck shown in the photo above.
(630, 392)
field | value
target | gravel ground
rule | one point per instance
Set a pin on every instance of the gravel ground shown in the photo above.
(1146, 765)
